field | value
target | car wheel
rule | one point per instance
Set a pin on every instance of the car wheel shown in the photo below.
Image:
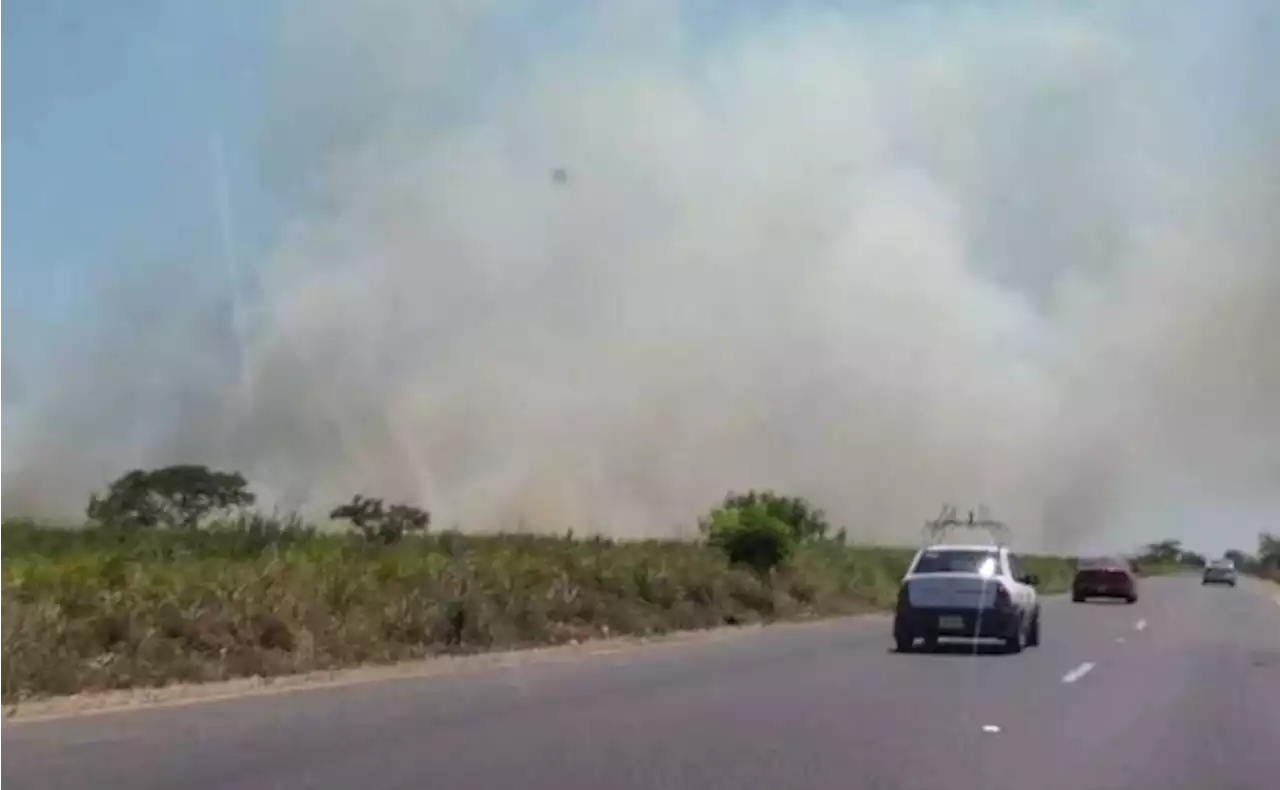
(1014, 643)
(1033, 635)
(1131, 599)
(1077, 597)
(903, 639)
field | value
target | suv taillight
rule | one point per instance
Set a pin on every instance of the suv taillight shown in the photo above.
(904, 597)
(1003, 600)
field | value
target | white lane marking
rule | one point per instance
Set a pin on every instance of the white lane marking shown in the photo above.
(1120, 639)
(990, 728)
(1141, 625)
(1078, 672)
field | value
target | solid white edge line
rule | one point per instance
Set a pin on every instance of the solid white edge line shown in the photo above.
(1079, 672)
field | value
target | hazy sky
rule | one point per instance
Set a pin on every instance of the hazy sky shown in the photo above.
(882, 254)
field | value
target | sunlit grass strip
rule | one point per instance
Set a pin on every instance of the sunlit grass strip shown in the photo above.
(93, 610)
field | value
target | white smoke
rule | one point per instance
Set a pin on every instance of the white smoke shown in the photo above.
(884, 258)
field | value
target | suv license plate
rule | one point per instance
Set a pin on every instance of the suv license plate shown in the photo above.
(951, 621)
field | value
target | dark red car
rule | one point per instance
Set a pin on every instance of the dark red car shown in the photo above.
(1104, 577)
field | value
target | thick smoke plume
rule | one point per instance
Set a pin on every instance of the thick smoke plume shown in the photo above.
(592, 265)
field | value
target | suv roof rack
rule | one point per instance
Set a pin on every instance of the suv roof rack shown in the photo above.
(935, 531)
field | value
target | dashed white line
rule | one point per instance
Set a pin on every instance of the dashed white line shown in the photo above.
(1078, 672)
(1141, 625)
(990, 728)
(1120, 639)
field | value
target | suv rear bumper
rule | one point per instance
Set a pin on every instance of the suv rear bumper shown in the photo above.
(1102, 591)
(1092, 583)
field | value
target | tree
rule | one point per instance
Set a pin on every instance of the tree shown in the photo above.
(1269, 551)
(172, 496)
(1164, 552)
(750, 535)
(805, 521)
(1191, 559)
(378, 522)
(1239, 558)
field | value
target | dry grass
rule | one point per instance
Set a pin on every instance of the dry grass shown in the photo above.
(88, 610)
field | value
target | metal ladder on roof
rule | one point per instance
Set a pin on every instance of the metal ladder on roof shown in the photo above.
(935, 532)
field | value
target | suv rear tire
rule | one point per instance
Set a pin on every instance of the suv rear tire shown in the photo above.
(1013, 644)
(903, 639)
(1033, 633)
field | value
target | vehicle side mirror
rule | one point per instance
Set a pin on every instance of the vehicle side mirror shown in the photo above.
(1030, 578)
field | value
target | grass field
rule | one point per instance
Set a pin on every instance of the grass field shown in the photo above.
(91, 610)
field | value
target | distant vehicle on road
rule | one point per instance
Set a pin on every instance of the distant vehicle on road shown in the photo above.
(967, 592)
(1220, 572)
(1104, 577)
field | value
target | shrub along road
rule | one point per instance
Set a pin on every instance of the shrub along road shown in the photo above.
(1181, 690)
(90, 610)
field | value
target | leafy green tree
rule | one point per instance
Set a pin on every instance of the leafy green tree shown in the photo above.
(180, 496)
(805, 521)
(750, 535)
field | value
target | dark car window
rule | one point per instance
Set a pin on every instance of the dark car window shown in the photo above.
(1015, 566)
(959, 561)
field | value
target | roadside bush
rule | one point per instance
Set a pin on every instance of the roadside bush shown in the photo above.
(762, 529)
(805, 521)
(750, 535)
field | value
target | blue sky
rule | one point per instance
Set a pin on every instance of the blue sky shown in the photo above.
(113, 109)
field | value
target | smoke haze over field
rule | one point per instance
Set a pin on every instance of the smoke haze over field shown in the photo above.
(1013, 253)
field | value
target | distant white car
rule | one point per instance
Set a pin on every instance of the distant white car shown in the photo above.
(968, 592)
(1220, 572)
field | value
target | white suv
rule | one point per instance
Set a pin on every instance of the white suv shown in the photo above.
(1219, 572)
(970, 592)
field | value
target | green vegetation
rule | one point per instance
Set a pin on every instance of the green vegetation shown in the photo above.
(102, 608)
(1264, 563)
(1168, 556)
(762, 529)
(175, 579)
(175, 496)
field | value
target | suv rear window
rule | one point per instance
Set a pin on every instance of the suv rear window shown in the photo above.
(957, 561)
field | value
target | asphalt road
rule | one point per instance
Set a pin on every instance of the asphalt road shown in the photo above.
(1181, 690)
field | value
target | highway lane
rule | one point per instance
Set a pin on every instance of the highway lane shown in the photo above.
(1179, 690)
